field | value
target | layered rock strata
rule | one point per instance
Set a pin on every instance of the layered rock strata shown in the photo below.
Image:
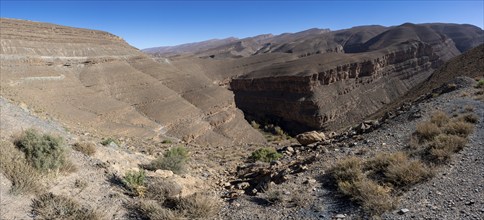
(333, 90)
(95, 81)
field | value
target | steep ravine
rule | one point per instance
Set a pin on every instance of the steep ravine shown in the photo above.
(315, 94)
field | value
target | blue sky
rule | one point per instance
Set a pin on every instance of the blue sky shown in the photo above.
(160, 23)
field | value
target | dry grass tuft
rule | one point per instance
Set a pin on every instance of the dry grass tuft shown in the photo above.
(160, 190)
(50, 206)
(426, 131)
(163, 201)
(439, 118)
(470, 118)
(398, 169)
(13, 165)
(87, 148)
(352, 182)
(149, 209)
(459, 128)
(349, 169)
(273, 196)
(441, 150)
(199, 206)
(372, 197)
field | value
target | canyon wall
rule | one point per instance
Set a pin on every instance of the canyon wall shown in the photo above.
(333, 90)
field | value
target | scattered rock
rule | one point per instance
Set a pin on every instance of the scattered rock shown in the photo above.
(243, 185)
(310, 137)
(403, 211)
(164, 173)
(310, 181)
(340, 216)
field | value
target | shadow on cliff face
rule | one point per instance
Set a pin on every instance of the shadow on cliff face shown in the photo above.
(275, 125)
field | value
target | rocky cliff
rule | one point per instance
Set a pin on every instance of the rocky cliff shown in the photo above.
(96, 81)
(333, 90)
(318, 79)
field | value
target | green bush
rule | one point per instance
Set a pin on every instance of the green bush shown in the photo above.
(42, 151)
(135, 178)
(266, 154)
(135, 182)
(174, 159)
(480, 83)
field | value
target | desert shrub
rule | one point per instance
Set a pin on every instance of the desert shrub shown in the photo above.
(108, 141)
(266, 154)
(149, 209)
(135, 182)
(166, 142)
(407, 173)
(349, 169)
(439, 118)
(160, 190)
(397, 169)
(174, 159)
(480, 83)
(441, 149)
(255, 125)
(458, 128)
(373, 198)
(198, 206)
(470, 118)
(426, 131)
(82, 184)
(42, 151)
(278, 131)
(273, 196)
(50, 206)
(469, 108)
(86, 148)
(13, 165)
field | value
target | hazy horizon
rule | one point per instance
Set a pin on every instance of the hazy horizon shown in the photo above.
(146, 24)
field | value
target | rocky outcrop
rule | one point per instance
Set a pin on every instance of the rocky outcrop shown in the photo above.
(332, 90)
(310, 137)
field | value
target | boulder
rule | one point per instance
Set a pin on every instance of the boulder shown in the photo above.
(310, 137)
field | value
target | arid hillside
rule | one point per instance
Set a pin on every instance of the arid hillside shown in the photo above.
(96, 82)
(322, 79)
(92, 128)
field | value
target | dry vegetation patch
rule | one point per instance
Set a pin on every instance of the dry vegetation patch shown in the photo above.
(24, 178)
(374, 183)
(174, 159)
(397, 169)
(426, 131)
(86, 148)
(372, 197)
(163, 201)
(50, 206)
(44, 152)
